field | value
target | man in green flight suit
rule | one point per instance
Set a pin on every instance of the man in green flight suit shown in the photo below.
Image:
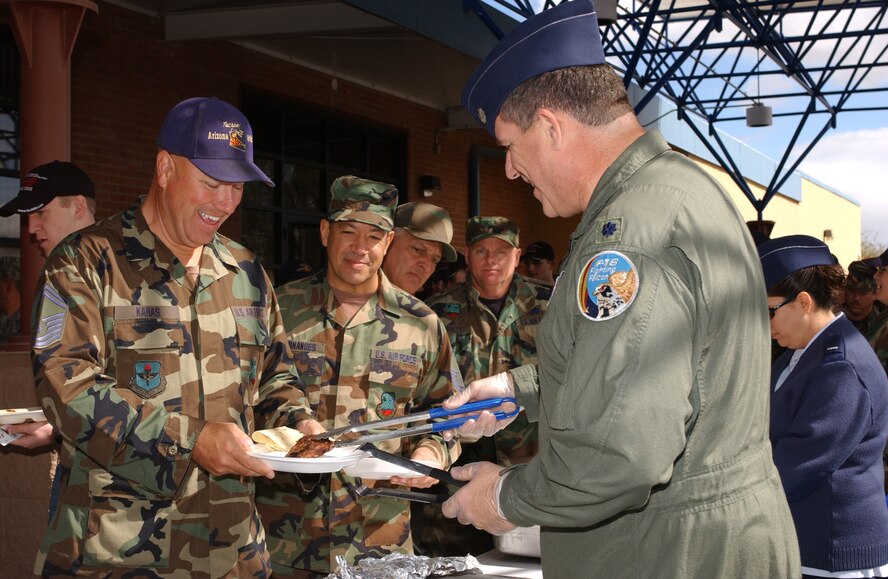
(492, 321)
(651, 386)
(366, 350)
(158, 347)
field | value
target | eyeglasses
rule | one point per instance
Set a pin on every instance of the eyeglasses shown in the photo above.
(773, 309)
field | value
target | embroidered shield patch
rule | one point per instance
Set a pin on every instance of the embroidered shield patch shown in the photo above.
(147, 381)
(607, 285)
(386, 408)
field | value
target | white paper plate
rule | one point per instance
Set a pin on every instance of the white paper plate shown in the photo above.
(333, 461)
(377, 469)
(19, 415)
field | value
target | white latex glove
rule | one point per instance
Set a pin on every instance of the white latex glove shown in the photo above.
(476, 503)
(496, 386)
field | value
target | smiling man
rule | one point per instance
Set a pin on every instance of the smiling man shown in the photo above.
(650, 387)
(366, 350)
(158, 346)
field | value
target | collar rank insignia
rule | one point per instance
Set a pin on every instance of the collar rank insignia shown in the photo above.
(147, 380)
(607, 285)
(386, 408)
(608, 230)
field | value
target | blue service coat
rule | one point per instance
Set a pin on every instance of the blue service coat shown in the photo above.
(828, 429)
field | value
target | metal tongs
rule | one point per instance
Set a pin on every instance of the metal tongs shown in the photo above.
(441, 475)
(432, 414)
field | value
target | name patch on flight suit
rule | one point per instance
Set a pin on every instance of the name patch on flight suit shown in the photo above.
(607, 285)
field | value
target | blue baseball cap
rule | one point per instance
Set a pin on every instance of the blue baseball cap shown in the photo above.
(785, 255)
(215, 137)
(560, 37)
(877, 261)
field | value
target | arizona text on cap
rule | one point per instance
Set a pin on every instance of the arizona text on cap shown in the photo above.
(215, 137)
(783, 256)
(538, 251)
(479, 228)
(560, 37)
(427, 222)
(362, 200)
(44, 183)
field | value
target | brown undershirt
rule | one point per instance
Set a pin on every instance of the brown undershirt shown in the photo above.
(349, 303)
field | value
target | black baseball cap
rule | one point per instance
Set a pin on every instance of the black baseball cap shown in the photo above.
(539, 250)
(44, 183)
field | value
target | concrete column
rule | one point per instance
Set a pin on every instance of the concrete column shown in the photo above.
(45, 32)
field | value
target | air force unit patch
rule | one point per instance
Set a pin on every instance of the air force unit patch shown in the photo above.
(607, 285)
(147, 380)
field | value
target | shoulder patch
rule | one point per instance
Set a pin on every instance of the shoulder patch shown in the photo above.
(607, 285)
(53, 313)
(608, 230)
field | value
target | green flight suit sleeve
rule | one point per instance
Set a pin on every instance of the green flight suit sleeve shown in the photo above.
(129, 436)
(616, 420)
(527, 389)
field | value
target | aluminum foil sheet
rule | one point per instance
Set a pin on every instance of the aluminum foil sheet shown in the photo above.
(398, 566)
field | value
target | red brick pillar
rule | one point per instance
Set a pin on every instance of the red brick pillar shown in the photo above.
(45, 32)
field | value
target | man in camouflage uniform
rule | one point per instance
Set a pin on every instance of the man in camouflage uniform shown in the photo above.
(492, 321)
(422, 238)
(879, 326)
(860, 304)
(158, 345)
(58, 198)
(366, 350)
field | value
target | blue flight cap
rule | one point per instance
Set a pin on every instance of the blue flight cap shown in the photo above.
(560, 37)
(785, 255)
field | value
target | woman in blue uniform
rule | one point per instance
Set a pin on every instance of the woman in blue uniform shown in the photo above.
(829, 414)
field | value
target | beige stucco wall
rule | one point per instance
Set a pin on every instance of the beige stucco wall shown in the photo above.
(819, 210)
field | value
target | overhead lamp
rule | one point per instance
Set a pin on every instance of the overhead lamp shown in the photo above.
(606, 11)
(758, 115)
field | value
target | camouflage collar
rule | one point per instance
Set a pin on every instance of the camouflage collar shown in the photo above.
(140, 243)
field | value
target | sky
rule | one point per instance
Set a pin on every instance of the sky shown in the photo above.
(851, 158)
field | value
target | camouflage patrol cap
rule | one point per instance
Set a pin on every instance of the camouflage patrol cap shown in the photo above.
(478, 228)
(428, 222)
(860, 277)
(364, 201)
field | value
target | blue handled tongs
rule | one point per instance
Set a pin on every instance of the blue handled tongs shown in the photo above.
(440, 415)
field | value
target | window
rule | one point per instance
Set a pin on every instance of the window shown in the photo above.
(9, 129)
(303, 150)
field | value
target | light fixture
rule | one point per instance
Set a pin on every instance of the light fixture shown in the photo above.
(758, 115)
(606, 11)
(827, 235)
(429, 185)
